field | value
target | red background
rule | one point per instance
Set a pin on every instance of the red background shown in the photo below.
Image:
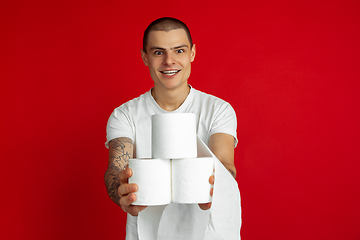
(290, 69)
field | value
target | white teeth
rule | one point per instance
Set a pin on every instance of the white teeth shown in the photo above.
(170, 72)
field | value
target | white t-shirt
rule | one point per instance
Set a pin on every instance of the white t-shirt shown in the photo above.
(133, 119)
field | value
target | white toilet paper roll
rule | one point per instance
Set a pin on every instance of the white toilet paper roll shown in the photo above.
(153, 177)
(164, 181)
(190, 180)
(174, 136)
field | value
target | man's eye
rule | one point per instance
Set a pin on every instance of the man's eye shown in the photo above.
(158, 53)
(180, 51)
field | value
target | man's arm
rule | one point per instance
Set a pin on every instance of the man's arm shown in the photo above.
(222, 145)
(117, 176)
(120, 151)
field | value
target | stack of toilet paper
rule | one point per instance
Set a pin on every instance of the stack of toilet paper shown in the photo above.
(175, 173)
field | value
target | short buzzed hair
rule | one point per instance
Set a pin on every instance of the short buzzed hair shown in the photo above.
(165, 24)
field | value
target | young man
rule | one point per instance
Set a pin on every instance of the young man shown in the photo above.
(168, 52)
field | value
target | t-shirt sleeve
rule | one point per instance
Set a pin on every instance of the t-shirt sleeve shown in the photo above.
(225, 122)
(119, 125)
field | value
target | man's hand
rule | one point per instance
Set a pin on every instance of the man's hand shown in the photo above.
(127, 195)
(206, 206)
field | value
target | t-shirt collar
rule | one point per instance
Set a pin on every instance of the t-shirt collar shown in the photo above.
(180, 109)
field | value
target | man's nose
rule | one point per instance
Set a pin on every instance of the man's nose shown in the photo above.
(169, 59)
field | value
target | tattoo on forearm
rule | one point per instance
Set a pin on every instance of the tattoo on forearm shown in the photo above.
(120, 153)
(112, 182)
(232, 172)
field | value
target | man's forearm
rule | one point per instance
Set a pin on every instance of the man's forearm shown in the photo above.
(112, 182)
(120, 151)
(222, 145)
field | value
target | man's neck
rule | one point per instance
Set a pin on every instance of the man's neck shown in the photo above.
(170, 100)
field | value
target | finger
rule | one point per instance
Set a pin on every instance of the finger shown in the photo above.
(127, 200)
(212, 179)
(125, 189)
(124, 175)
(205, 206)
(127, 207)
(211, 192)
(134, 209)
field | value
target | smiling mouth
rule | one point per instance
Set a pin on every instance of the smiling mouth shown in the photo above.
(170, 72)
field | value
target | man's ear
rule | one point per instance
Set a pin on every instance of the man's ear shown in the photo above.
(144, 57)
(193, 53)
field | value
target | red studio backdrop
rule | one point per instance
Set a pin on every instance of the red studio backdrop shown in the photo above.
(290, 69)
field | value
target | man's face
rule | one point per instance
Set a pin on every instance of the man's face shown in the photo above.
(169, 58)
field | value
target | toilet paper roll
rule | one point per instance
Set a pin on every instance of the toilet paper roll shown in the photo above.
(174, 136)
(164, 181)
(190, 180)
(153, 177)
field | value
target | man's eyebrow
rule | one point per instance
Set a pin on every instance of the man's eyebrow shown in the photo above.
(181, 46)
(163, 49)
(157, 48)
